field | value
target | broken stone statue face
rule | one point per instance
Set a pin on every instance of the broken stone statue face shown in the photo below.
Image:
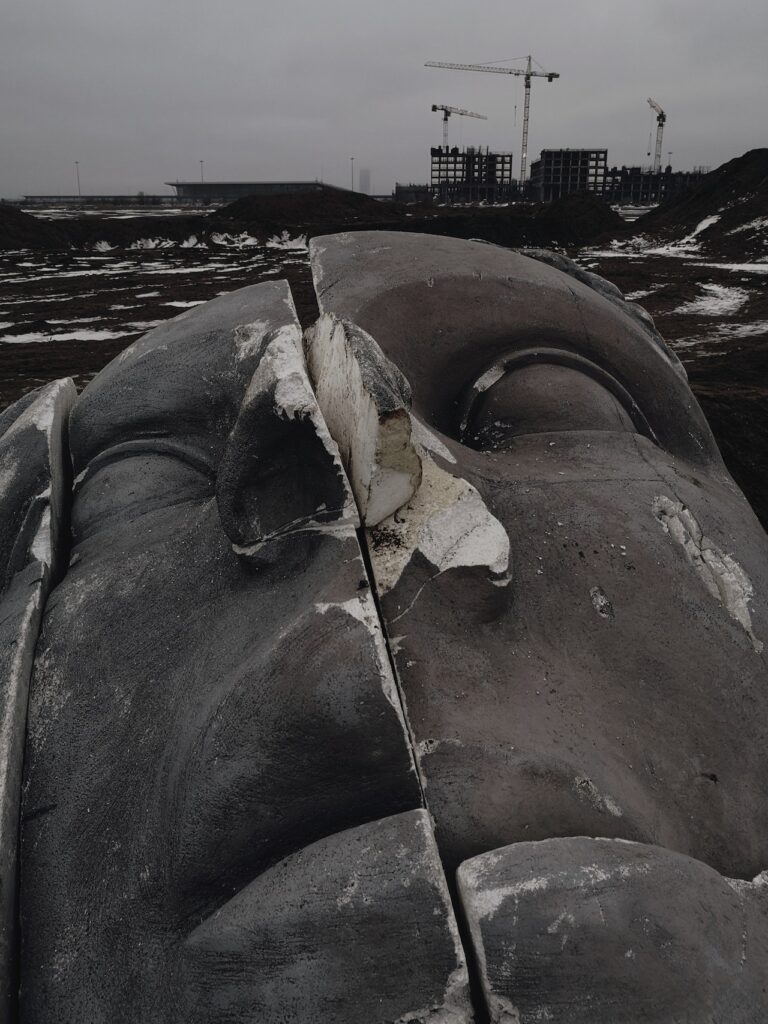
(408, 670)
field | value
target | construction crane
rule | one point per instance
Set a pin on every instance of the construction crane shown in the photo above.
(447, 111)
(527, 72)
(661, 119)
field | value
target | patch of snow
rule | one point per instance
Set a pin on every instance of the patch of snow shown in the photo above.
(760, 224)
(147, 295)
(152, 243)
(241, 241)
(717, 300)
(77, 320)
(178, 304)
(284, 241)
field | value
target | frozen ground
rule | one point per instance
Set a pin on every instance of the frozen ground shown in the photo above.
(68, 313)
(715, 316)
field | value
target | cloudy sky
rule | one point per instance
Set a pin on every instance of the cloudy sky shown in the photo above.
(140, 92)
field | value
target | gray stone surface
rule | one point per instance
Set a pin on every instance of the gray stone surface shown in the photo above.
(591, 931)
(577, 611)
(356, 927)
(244, 726)
(211, 690)
(34, 472)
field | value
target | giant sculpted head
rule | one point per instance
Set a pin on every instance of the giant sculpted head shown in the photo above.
(410, 670)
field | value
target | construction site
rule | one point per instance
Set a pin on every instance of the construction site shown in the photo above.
(458, 175)
(473, 174)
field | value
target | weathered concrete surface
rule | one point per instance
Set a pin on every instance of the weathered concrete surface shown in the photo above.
(211, 690)
(591, 931)
(577, 608)
(356, 927)
(34, 472)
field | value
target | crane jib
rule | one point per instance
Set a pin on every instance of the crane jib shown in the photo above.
(527, 73)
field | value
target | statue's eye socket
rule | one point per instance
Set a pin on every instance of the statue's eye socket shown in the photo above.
(541, 398)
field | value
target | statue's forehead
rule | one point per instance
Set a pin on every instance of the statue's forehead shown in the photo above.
(186, 378)
(448, 311)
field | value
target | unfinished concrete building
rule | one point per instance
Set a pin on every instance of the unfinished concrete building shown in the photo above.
(471, 175)
(560, 172)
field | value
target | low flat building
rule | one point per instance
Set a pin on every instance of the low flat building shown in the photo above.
(228, 191)
(560, 172)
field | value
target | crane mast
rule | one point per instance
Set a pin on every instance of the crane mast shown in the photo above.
(661, 119)
(447, 111)
(527, 73)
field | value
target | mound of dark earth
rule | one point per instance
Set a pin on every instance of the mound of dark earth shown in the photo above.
(20, 231)
(733, 198)
(305, 211)
(573, 220)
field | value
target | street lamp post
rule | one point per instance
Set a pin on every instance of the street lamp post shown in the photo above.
(352, 171)
(202, 178)
(77, 175)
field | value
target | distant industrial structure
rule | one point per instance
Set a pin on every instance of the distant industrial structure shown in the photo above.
(560, 172)
(527, 73)
(471, 175)
(228, 191)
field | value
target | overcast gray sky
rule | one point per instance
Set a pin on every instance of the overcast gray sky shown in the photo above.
(140, 91)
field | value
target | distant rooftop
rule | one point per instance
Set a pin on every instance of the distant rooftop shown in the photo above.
(227, 190)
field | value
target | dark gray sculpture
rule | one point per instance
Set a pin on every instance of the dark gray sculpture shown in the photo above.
(411, 673)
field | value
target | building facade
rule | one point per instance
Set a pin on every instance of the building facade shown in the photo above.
(640, 186)
(560, 172)
(471, 175)
(228, 191)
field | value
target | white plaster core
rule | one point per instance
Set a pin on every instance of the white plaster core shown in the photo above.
(720, 573)
(371, 426)
(448, 521)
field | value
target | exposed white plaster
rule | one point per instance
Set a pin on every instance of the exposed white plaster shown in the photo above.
(374, 439)
(720, 573)
(448, 521)
(41, 549)
(423, 436)
(249, 338)
(586, 790)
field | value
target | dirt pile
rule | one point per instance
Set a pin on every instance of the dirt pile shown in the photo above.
(304, 212)
(20, 231)
(573, 220)
(729, 207)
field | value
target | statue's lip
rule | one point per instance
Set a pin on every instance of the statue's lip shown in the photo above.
(543, 355)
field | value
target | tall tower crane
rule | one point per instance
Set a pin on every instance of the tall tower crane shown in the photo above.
(447, 111)
(527, 72)
(661, 119)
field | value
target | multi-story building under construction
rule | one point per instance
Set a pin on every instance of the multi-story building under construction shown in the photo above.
(471, 175)
(559, 172)
(562, 172)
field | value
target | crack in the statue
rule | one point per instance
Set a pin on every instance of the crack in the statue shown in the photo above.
(480, 1011)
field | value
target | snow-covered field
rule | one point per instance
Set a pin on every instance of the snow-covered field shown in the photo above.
(106, 294)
